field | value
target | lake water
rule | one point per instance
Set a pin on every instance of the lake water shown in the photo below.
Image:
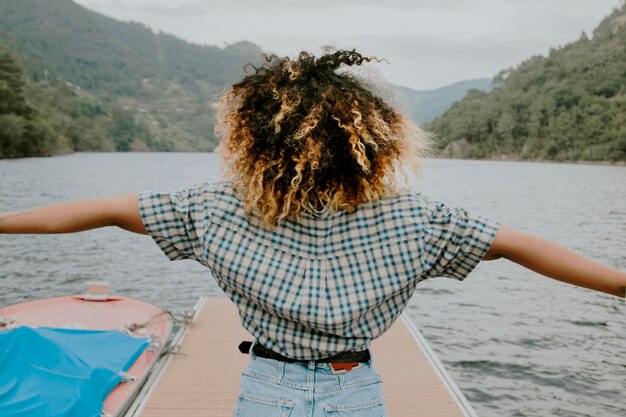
(517, 344)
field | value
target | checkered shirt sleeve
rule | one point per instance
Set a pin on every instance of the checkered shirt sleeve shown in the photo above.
(177, 221)
(455, 241)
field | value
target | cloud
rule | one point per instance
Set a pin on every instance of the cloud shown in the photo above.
(180, 9)
(183, 10)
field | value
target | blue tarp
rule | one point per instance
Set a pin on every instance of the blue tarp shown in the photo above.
(48, 372)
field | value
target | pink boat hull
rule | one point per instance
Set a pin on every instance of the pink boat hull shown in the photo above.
(114, 313)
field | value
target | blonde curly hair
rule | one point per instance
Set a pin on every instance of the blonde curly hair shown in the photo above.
(300, 137)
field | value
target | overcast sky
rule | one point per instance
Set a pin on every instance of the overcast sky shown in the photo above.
(428, 43)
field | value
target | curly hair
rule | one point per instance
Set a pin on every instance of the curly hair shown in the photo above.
(300, 137)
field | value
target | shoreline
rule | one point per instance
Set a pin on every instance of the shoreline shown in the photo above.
(495, 159)
(540, 161)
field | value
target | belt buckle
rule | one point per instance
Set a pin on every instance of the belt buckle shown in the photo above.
(343, 367)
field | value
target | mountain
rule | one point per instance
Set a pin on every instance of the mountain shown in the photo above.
(154, 85)
(567, 106)
(426, 105)
(102, 84)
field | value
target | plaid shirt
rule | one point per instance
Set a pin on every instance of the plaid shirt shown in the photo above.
(324, 285)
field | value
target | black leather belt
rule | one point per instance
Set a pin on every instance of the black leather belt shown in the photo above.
(262, 352)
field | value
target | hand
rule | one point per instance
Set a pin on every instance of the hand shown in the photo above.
(77, 216)
(554, 261)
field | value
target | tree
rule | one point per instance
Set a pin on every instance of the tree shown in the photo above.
(12, 99)
(23, 130)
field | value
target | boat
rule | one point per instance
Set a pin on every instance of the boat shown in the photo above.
(94, 311)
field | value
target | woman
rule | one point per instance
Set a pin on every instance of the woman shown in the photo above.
(311, 236)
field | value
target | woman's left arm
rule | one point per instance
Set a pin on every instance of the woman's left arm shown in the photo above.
(77, 216)
(554, 261)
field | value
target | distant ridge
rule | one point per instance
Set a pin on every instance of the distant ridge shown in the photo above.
(423, 106)
(568, 106)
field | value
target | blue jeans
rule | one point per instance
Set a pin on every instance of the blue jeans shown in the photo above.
(271, 388)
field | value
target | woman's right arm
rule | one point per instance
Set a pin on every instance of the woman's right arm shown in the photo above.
(77, 216)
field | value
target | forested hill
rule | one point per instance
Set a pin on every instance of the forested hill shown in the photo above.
(570, 105)
(99, 53)
(107, 85)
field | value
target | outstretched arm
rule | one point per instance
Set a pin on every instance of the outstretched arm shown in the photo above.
(76, 216)
(554, 261)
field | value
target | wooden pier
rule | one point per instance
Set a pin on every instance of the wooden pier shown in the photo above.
(202, 380)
